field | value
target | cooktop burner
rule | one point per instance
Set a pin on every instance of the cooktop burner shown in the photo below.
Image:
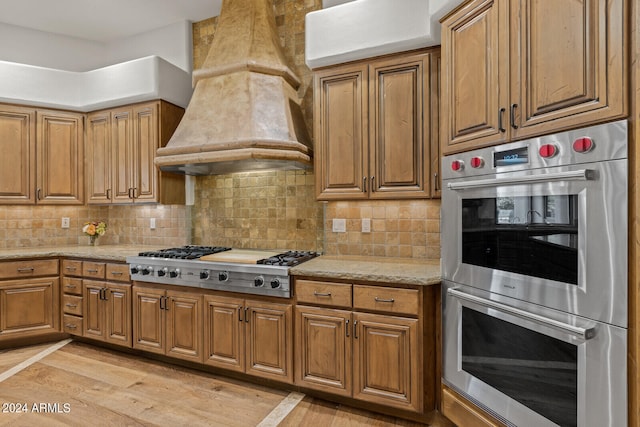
(185, 252)
(289, 258)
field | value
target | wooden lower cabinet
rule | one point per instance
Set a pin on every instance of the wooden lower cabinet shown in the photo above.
(168, 322)
(249, 336)
(29, 307)
(381, 351)
(107, 312)
(367, 356)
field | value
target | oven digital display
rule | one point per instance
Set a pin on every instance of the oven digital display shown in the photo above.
(516, 156)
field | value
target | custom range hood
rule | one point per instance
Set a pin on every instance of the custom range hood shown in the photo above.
(244, 114)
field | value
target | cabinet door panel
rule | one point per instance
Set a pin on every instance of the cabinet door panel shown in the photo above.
(18, 160)
(123, 155)
(60, 159)
(184, 326)
(146, 137)
(572, 59)
(341, 133)
(474, 76)
(398, 156)
(29, 307)
(268, 341)
(148, 320)
(324, 345)
(224, 333)
(118, 314)
(387, 361)
(99, 151)
(94, 314)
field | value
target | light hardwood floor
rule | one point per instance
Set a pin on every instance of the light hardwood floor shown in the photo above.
(99, 387)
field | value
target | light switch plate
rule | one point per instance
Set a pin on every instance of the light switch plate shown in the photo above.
(65, 222)
(339, 225)
(152, 223)
(366, 225)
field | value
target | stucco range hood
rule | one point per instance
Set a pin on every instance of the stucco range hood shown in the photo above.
(244, 114)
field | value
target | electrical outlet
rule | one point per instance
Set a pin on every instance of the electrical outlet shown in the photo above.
(152, 223)
(366, 225)
(339, 225)
(65, 222)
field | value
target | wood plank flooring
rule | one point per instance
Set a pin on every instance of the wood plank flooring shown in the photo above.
(79, 385)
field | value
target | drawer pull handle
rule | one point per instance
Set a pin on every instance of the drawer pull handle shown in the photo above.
(71, 305)
(346, 329)
(71, 268)
(384, 300)
(70, 326)
(70, 286)
(92, 270)
(26, 270)
(116, 273)
(319, 294)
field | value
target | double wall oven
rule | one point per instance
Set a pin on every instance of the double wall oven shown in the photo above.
(534, 264)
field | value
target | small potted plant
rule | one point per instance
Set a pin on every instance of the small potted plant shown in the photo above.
(94, 229)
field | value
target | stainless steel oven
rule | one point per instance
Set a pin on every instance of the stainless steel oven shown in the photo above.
(534, 261)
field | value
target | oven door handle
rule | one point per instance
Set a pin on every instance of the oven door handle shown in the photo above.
(584, 333)
(579, 175)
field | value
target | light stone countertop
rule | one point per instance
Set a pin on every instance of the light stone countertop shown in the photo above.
(409, 271)
(105, 252)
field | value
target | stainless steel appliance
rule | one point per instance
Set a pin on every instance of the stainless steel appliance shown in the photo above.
(534, 262)
(211, 267)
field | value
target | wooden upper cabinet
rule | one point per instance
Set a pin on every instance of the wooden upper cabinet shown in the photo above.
(373, 128)
(517, 69)
(18, 147)
(42, 156)
(60, 157)
(573, 61)
(399, 127)
(341, 151)
(121, 147)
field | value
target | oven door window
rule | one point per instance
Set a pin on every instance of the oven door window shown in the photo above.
(530, 235)
(537, 370)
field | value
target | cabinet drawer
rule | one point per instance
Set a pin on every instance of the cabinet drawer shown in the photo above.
(382, 298)
(72, 285)
(71, 267)
(326, 293)
(93, 269)
(118, 272)
(72, 324)
(39, 267)
(72, 304)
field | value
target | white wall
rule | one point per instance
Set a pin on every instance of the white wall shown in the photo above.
(25, 46)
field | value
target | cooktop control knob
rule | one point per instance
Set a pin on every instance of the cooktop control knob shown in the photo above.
(258, 281)
(223, 276)
(275, 283)
(136, 269)
(146, 271)
(174, 273)
(163, 272)
(204, 274)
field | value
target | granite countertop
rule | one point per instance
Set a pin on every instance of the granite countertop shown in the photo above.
(105, 252)
(408, 271)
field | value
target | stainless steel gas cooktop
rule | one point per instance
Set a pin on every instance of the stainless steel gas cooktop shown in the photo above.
(248, 271)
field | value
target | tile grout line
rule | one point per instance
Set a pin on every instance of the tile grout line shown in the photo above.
(281, 411)
(33, 359)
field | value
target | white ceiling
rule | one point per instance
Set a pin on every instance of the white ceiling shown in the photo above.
(103, 20)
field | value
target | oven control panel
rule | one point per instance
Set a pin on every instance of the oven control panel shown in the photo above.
(587, 145)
